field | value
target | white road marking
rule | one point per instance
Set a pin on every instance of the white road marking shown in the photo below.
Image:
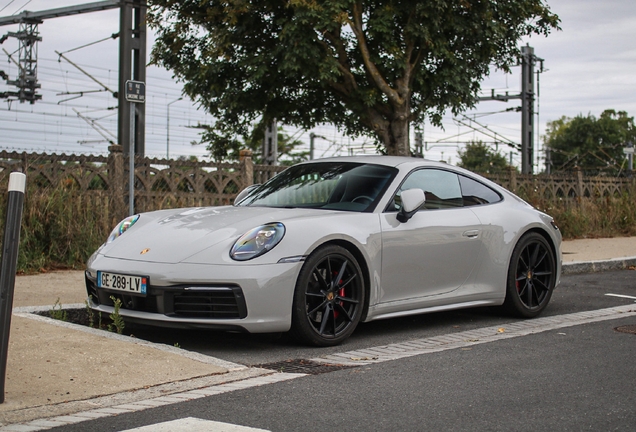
(459, 340)
(193, 424)
(621, 296)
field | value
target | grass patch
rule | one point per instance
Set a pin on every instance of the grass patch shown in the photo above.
(61, 228)
(595, 217)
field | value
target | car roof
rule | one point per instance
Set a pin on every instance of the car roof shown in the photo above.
(392, 161)
(406, 164)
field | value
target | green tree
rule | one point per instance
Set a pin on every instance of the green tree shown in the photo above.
(227, 148)
(368, 67)
(480, 158)
(593, 144)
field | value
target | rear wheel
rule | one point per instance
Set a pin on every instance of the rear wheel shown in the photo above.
(329, 297)
(531, 277)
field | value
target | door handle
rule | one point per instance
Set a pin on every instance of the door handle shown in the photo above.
(471, 233)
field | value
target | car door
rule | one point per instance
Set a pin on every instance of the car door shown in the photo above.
(435, 251)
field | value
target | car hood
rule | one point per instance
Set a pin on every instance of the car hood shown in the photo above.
(173, 236)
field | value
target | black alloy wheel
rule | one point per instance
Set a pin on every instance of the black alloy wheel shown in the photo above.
(329, 297)
(531, 276)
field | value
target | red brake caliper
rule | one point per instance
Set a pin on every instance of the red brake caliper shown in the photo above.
(341, 293)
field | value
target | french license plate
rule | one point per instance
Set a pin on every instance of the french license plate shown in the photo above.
(119, 282)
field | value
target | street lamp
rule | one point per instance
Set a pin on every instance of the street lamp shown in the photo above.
(168, 128)
(312, 137)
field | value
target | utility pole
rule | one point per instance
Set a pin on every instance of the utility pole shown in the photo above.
(527, 109)
(312, 144)
(629, 151)
(419, 146)
(527, 96)
(132, 66)
(270, 144)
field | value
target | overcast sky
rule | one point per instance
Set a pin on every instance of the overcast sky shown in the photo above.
(590, 66)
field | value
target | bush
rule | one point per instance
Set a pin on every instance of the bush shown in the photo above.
(61, 228)
(593, 217)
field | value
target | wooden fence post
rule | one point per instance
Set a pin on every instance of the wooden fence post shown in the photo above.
(117, 206)
(579, 182)
(247, 168)
(513, 179)
(25, 162)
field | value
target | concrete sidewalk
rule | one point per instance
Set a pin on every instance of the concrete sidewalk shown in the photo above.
(55, 368)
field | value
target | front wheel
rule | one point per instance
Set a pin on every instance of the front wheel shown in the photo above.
(329, 297)
(531, 277)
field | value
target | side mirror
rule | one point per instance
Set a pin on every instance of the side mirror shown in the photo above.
(245, 192)
(412, 200)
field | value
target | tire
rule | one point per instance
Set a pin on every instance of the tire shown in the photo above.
(531, 277)
(329, 297)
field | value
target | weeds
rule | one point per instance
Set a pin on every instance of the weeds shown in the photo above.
(91, 316)
(57, 312)
(593, 217)
(118, 322)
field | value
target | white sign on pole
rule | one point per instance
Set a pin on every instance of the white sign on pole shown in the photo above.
(136, 91)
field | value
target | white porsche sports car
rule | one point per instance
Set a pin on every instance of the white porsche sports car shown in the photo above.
(327, 244)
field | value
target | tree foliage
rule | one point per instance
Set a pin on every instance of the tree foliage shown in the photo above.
(480, 158)
(227, 148)
(593, 144)
(368, 67)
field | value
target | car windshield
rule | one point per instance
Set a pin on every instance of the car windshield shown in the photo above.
(324, 185)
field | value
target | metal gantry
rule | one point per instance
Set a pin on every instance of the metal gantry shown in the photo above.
(27, 63)
(132, 59)
(527, 96)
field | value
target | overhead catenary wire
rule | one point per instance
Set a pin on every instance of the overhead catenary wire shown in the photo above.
(10, 3)
(65, 79)
(22, 7)
(113, 36)
(86, 73)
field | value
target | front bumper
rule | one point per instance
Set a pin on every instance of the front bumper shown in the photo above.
(252, 298)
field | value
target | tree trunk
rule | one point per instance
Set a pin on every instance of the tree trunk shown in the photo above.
(391, 128)
(393, 132)
(399, 137)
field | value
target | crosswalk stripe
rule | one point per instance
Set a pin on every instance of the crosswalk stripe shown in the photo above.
(193, 424)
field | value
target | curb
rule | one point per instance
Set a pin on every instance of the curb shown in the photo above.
(598, 266)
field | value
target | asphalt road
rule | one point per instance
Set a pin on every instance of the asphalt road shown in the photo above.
(574, 378)
(574, 294)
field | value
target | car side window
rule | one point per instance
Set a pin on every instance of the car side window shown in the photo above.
(475, 193)
(441, 188)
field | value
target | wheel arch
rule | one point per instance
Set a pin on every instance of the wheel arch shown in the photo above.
(536, 298)
(364, 266)
(543, 233)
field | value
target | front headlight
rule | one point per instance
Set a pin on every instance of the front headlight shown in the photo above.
(122, 227)
(258, 241)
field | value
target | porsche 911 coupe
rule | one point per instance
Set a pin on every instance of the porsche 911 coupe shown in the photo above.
(327, 244)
